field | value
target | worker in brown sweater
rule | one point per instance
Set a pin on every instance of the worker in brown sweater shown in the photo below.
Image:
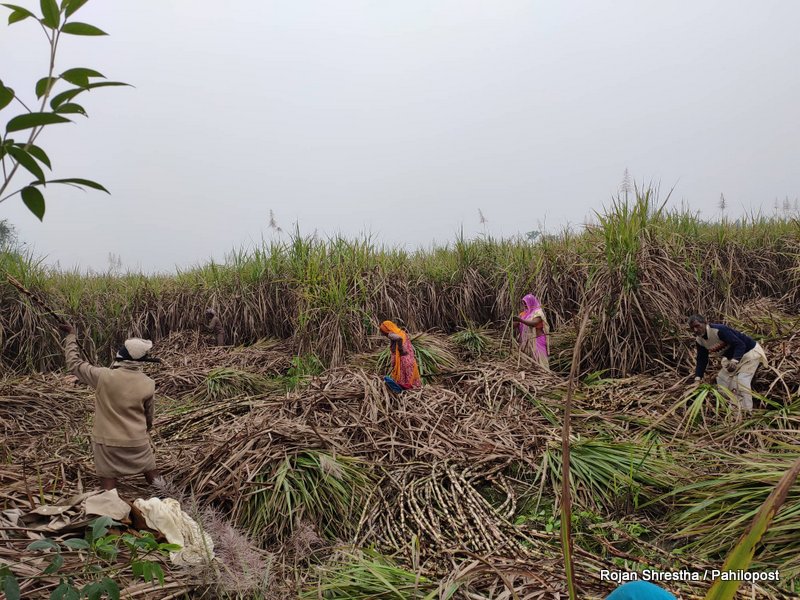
(214, 325)
(124, 398)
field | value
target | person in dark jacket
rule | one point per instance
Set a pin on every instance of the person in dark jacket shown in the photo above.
(214, 325)
(739, 353)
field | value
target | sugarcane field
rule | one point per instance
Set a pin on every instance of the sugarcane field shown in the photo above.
(312, 478)
(421, 300)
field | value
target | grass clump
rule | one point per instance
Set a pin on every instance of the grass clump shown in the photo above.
(473, 341)
(714, 511)
(610, 475)
(325, 490)
(224, 382)
(303, 368)
(365, 574)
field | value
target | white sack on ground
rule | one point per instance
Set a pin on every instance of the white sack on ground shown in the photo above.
(179, 528)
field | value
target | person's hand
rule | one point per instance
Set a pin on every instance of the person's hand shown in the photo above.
(66, 328)
(732, 364)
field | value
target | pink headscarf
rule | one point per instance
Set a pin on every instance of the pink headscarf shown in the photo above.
(532, 303)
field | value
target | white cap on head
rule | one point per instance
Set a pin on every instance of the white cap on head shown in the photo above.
(137, 347)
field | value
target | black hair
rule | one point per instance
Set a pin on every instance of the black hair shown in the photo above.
(697, 319)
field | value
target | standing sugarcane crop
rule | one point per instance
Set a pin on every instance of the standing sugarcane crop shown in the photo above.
(740, 355)
(124, 398)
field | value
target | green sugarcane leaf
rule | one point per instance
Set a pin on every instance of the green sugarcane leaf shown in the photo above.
(742, 554)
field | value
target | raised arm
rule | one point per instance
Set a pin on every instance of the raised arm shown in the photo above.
(84, 371)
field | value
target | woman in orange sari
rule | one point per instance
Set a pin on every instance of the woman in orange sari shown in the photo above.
(405, 372)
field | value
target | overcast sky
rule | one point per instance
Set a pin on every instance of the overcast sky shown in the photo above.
(402, 118)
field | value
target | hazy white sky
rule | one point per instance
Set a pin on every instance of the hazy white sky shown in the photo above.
(402, 118)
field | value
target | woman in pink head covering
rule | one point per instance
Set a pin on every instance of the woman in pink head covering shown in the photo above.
(533, 330)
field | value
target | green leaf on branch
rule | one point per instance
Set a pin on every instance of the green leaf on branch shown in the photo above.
(72, 108)
(107, 551)
(65, 591)
(38, 154)
(51, 13)
(93, 591)
(63, 97)
(18, 13)
(68, 95)
(111, 587)
(80, 76)
(58, 560)
(72, 6)
(76, 28)
(96, 589)
(44, 85)
(10, 584)
(170, 547)
(34, 200)
(77, 182)
(100, 525)
(100, 84)
(27, 161)
(158, 572)
(34, 120)
(6, 96)
(16, 17)
(76, 544)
